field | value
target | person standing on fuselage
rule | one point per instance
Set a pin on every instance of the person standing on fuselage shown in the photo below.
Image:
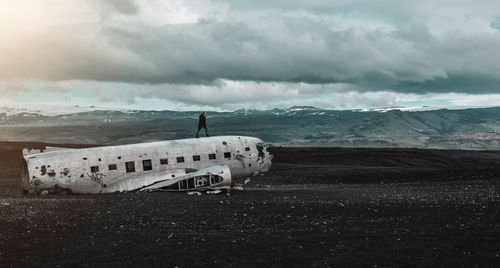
(202, 123)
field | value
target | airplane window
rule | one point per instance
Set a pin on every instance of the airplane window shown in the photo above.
(164, 161)
(147, 165)
(130, 166)
(112, 167)
(247, 149)
(180, 159)
(196, 158)
(85, 158)
(227, 155)
(119, 157)
(212, 156)
(94, 169)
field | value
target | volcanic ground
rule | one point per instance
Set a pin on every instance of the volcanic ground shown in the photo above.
(318, 207)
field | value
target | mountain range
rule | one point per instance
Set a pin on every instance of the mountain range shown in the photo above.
(423, 127)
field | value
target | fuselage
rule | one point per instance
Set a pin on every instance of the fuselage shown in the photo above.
(130, 167)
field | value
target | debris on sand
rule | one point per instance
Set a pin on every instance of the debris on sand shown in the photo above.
(239, 188)
(214, 192)
(247, 180)
(193, 193)
(44, 192)
(4, 203)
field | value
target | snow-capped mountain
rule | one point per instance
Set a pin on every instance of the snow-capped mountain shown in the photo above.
(477, 128)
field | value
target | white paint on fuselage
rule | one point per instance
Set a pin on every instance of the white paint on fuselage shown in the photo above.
(72, 168)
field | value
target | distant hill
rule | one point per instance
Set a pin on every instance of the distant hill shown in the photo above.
(477, 128)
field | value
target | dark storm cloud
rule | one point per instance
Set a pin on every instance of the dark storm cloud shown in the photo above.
(277, 41)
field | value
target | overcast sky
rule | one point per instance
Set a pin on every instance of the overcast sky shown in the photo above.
(224, 55)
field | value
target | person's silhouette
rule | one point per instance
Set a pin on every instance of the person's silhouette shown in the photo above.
(202, 123)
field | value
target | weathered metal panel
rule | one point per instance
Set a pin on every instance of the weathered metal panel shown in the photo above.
(88, 170)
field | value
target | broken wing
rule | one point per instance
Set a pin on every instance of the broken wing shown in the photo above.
(212, 178)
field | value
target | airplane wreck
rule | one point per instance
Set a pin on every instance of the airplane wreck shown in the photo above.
(179, 165)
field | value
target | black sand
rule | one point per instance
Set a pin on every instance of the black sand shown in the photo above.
(316, 207)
